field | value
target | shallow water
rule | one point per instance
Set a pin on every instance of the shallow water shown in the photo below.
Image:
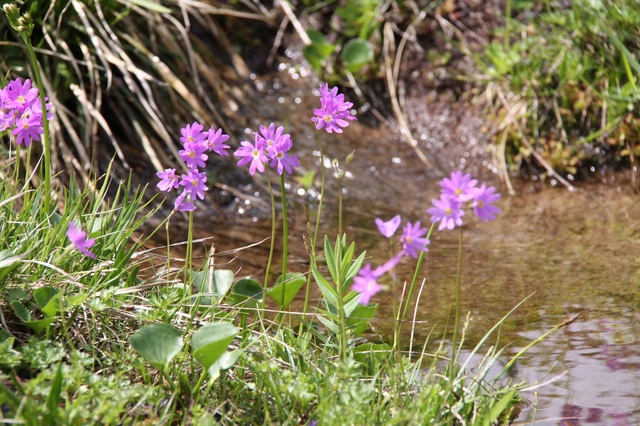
(568, 252)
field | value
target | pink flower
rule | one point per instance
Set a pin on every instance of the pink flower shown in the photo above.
(79, 239)
(333, 112)
(483, 203)
(413, 240)
(169, 180)
(216, 142)
(252, 153)
(447, 211)
(390, 227)
(193, 183)
(366, 283)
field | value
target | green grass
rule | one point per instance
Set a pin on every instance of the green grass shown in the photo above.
(563, 84)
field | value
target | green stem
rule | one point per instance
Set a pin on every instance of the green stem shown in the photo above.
(188, 267)
(45, 125)
(342, 329)
(400, 318)
(339, 205)
(313, 239)
(273, 240)
(322, 185)
(285, 228)
(456, 324)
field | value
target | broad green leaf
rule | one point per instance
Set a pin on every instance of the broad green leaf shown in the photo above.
(157, 343)
(216, 284)
(48, 300)
(225, 362)
(286, 288)
(21, 312)
(246, 291)
(40, 325)
(211, 341)
(356, 54)
(354, 268)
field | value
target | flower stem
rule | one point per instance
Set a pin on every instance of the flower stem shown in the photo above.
(400, 318)
(45, 125)
(273, 238)
(456, 324)
(285, 228)
(322, 185)
(189, 255)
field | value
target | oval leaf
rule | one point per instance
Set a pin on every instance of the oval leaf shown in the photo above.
(211, 341)
(356, 54)
(157, 343)
(286, 288)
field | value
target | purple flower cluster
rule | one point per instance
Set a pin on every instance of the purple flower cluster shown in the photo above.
(457, 190)
(270, 146)
(21, 111)
(195, 143)
(448, 210)
(413, 241)
(333, 112)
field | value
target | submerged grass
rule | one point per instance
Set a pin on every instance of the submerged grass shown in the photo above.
(97, 331)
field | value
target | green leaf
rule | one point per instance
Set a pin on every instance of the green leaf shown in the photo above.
(157, 343)
(246, 291)
(211, 341)
(286, 288)
(48, 300)
(21, 312)
(40, 325)
(53, 400)
(356, 54)
(360, 318)
(499, 407)
(216, 284)
(328, 291)
(8, 261)
(330, 257)
(225, 362)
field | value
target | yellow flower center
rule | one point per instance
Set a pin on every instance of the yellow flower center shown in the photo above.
(448, 211)
(192, 154)
(255, 153)
(25, 126)
(21, 99)
(458, 191)
(409, 240)
(194, 182)
(479, 204)
(327, 118)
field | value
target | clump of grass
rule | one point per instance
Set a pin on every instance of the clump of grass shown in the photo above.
(563, 85)
(95, 334)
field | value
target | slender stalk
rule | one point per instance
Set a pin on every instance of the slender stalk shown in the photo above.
(285, 228)
(340, 176)
(314, 238)
(45, 124)
(273, 240)
(456, 324)
(400, 318)
(322, 188)
(189, 255)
